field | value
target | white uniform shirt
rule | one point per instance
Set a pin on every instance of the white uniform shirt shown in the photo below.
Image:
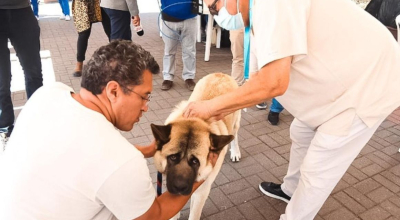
(345, 62)
(65, 161)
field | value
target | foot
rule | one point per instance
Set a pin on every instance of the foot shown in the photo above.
(37, 17)
(62, 17)
(67, 17)
(167, 85)
(274, 190)
(262, 105)
(273, 118)
(77, 73)
(190, 84)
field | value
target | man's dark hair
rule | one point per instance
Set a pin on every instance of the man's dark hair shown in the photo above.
(121, 61)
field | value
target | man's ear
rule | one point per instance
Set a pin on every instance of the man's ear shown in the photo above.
(218, 142)
(161, 133)
(112, 90)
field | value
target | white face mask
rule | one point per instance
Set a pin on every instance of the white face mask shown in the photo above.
(228, 21)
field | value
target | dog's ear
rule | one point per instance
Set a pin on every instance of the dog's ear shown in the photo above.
(218, 142)
(161, 133)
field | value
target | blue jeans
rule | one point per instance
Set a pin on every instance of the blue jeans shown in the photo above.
(186, 32)
(276, 106)
(35, 7)
(64, 6)
(21, 27)
(120, 24)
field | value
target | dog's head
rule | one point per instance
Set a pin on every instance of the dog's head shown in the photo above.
(182, 152)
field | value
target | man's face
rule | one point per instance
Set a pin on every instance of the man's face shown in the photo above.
(128, 108)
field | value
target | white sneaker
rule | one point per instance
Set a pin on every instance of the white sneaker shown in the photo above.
(62, 17)
(3, 141)
(37, 18)
(67, 18)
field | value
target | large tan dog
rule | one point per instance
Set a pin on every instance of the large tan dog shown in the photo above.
(183, 144)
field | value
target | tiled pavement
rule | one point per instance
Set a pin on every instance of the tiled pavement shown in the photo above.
(370, 190)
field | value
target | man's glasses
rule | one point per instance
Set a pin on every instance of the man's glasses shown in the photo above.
(213, 8)
(146, 99)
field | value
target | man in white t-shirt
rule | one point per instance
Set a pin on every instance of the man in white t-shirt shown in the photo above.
(336, 69)
(67, 160)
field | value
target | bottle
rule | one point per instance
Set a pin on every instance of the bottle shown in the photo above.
(138, 29)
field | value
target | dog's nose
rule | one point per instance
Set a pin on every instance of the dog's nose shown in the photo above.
(182, 187)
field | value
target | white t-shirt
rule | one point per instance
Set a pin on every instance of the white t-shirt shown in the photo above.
(65, 161)
(345, 62)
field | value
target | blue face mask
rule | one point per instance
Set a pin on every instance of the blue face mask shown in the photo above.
(228, 21)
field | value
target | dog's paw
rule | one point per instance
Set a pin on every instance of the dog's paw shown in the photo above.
(235, 155)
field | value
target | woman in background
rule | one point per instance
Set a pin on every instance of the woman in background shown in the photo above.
(87, 12)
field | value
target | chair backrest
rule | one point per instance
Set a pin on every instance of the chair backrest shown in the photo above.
(398, 28)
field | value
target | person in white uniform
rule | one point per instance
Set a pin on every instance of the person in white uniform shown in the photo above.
(66, 159)
(312, 56)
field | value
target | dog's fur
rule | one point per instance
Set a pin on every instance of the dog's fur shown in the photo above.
(183, 144)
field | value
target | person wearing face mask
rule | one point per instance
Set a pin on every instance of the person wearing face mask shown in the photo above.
(317, 66)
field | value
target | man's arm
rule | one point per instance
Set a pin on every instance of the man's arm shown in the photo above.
(167, 205)
(271, 81)
(133, 7)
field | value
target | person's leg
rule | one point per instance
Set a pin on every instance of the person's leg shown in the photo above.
(120, 24)
(189, 52)
(105, 21)
(64, 7)
(237, 47)
(25, 37)
(327, 159)
(274, 110)
(301, 136)
(6, 106)
(35, 7)
(82, 43)
(171, 35)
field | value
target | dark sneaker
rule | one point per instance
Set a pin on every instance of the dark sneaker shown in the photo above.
(273, 118)
(274, 190)
(77, 74)
(190, 84)
(166, 85)
(262, 105)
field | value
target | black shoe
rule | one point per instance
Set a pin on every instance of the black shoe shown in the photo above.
(273, 118)
(274, 190)
(190, 84)
(262, 105)
(77, 74)
(166, 85)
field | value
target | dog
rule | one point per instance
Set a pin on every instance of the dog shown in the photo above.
(183, 144)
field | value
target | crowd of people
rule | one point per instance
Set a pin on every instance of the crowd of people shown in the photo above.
(64, 156)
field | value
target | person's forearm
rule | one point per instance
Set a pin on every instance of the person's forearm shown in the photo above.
(167, 205)
(270, 82)
(171, 204)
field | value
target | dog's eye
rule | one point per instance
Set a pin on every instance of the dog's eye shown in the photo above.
(195, 161)
(173, 157)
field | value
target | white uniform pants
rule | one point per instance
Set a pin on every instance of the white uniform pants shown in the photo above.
(317, 163)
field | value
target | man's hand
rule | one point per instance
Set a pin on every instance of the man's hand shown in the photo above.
(136, 20)
(148, 151)
(201, 109)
